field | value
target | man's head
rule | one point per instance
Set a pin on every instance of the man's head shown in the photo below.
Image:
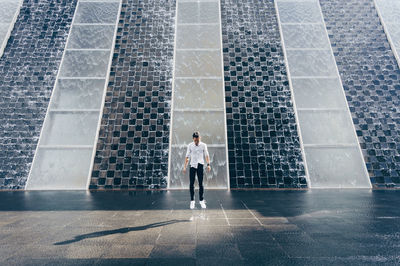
(196, 137)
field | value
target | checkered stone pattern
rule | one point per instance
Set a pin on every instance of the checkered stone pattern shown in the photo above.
(132, 149)
(371, 80)
(263, 142)
(28, 69)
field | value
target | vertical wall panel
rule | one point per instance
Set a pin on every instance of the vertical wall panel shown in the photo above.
(70, 131)
(28, 70)
(198, 64)
(263, 142)
(371, 80)
(333, 156)
(132, 149)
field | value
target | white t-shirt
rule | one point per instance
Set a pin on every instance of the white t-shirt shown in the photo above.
(196, 153)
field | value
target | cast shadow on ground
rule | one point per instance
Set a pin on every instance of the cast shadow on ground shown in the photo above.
(118, 231)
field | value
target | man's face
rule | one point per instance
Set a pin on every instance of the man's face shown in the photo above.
(196, 140)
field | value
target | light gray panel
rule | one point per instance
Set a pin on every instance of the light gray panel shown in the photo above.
(394, 31)
(305, 36)
(3, 31)
(197, 94)
(198, 12)
(85, 64)
(7, 11)
(217, 178)
(299, 12)
(181, 1)
(66, 128)
(390, 10)
(97, 12)
(78, 94)
(198, 64)
(311, 63)
(91, 36)
(326, 127)
(336, 168)
(100, 1)
(318, 93)
(60, 169)
(198, 36)
(211, 126)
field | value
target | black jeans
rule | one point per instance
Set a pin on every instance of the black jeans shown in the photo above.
(199, 172)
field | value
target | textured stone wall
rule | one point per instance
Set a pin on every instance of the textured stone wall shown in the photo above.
(132, 150)
(28, 69)
(263, 141)
(371, 80)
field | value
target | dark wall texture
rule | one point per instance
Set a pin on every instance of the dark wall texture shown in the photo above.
(263, 142)
(28, 69)
(371, 80)
(132, 150)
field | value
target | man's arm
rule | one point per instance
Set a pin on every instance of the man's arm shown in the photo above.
(207, 157)
(186, 162)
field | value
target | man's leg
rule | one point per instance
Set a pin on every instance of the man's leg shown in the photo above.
(191, 178)
(200, 179)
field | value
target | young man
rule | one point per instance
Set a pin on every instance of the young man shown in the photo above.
(196, 152)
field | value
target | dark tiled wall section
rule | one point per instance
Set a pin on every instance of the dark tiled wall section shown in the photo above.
(132, 150)
(371, 80)
(28, 69)
(263, 142)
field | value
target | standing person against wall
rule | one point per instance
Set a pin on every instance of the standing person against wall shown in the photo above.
(196, 151)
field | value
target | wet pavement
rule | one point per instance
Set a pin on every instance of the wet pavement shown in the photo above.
(310, 227)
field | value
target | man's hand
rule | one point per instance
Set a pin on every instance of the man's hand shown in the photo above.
(184, 170)
(209, 168)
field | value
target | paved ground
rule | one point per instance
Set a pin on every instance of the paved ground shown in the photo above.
(316, 227)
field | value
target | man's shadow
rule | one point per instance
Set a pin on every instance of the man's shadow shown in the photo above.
(119, 231)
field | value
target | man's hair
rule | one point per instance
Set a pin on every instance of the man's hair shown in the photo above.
(196, 134)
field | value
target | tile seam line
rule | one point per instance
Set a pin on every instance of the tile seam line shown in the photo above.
(88, 49)
(255, 217)
(289, 78)
(73, 110)
(196, 24)
(345, 99)
(226, 217)
(387, 33)
(65, 146)
(61, 78)
(51, 97)
(197, 77)
(96, 139)
(172, 95)
(93, 24)
(10, 28)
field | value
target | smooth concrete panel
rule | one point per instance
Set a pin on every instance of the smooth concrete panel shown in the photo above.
(70, 128)
(336, 167)
(60, 169)
(85, 64)
(91, 37)
(326, 127)
(198, 64)
(97, 12)
(210, 125)
(198, 93)
(318, 93)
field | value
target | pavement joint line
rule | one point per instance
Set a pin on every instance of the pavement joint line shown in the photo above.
(255, 217)
(226, 217)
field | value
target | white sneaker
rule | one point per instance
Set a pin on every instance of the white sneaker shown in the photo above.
(192, 202)
(203, 204)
